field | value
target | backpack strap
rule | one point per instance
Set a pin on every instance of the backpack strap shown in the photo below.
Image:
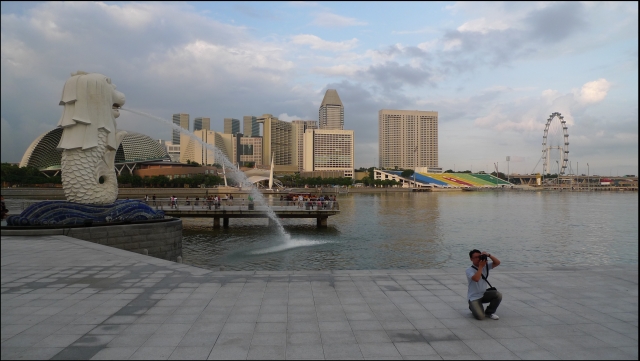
(483, 277)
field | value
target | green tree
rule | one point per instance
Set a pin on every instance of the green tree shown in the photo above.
(407, 173)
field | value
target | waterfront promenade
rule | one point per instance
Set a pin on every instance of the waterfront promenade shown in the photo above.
(64, 298)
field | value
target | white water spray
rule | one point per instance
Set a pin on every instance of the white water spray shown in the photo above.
(238, 175)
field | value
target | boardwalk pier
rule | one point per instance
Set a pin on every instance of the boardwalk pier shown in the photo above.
(225, 212)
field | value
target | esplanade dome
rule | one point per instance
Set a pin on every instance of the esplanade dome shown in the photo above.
(135, 147)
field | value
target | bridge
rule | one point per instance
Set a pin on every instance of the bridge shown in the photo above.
(225, 212)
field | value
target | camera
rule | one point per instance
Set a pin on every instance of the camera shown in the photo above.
(483, 257)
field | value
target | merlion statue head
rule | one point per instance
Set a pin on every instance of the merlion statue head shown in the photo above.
(91, 102)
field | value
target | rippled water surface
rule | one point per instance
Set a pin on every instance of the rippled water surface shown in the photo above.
(432, 230)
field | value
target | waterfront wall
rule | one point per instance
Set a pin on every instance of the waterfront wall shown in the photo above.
(181, 193)
(161, 239)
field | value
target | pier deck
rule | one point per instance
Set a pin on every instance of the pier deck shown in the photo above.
(227, 212)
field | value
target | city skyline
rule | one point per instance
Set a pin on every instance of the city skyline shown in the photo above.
(493, 71)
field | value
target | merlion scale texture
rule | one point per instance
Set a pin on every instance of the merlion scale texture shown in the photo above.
(89, 138)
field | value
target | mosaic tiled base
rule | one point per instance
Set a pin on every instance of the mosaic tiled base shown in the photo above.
(70, 213)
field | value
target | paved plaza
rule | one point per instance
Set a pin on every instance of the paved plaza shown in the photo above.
(64, 298)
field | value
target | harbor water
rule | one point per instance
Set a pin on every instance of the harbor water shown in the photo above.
(431, 230)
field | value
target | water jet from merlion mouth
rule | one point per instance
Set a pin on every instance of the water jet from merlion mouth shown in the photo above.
(237, 175)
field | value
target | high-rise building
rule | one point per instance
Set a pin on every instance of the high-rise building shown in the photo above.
(331, 113)
(251, 128)
(172, 150)
(250, 150)
(277, 142)
(231, 126)
(201, 123)
(181, 120)
(299, 127)
(329, 150)
(408, 139)
(192, 150)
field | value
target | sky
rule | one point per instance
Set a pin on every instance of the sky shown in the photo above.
(493, 71)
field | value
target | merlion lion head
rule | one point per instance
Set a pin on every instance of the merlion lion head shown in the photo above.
(91, 102)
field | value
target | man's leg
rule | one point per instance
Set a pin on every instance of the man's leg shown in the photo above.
(493, 298)
(476, 308)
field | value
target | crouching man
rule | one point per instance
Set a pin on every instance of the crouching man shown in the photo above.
(480, 290)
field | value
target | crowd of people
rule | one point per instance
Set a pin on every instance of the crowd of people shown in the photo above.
(311, 202)
(215, 201)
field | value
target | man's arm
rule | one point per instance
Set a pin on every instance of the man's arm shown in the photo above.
(478, 275)
(496, 262)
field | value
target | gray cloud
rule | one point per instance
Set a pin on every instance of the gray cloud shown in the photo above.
(498, 47)
(556, 22)
(393, 76)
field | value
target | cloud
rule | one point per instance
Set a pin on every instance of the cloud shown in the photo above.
(500, 37)
(392, 75)
(329, 20)
(287, 118)
(594, 91)
(556, 22)
(527, 114)
(317, 43)
(482, 25)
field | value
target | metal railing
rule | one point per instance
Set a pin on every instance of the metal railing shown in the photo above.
(242, 204)
(224, 204)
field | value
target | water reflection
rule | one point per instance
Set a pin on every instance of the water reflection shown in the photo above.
(433, 230)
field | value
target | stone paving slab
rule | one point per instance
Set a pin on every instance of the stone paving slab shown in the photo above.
(64, 298)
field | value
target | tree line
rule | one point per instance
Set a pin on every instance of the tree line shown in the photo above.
(25, 176)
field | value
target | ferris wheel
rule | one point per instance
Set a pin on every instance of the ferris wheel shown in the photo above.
(555, 144)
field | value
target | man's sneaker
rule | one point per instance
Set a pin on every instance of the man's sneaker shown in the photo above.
(493, 316)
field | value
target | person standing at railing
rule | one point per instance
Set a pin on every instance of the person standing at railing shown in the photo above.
(154, 199)
(187, 201)
(4, 210)
(230, 199)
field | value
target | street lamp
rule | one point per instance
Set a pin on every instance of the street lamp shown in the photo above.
(415, 167)
(558, 175)
(588, 179)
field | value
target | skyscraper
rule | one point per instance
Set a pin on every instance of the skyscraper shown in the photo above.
(331, 113)
(299, 127)
(407, 139)
(181, 120)
(231, 126)
(251, 128)
(329, 150)
(201, 123)
(278, 142)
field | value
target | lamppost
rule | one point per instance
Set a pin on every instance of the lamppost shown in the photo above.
(588, 179)
(415, 167)
(558, 175)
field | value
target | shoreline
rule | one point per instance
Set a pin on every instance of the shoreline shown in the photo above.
(139, 193)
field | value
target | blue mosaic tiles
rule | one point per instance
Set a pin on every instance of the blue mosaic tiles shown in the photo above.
(70, 213)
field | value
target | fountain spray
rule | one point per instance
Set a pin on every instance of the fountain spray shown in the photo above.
(238, 175)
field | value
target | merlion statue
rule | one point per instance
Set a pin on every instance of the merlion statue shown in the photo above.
(89, 142)
(89, 138)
